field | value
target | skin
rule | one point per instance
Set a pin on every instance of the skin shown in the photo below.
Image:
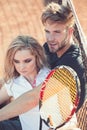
(25, 64)
(22, 104)
(58, 37)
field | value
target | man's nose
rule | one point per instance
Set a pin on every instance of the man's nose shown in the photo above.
(51, 37)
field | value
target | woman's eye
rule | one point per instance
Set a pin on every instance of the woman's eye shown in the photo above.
(16, 61)
(28, 60)
(47, 32)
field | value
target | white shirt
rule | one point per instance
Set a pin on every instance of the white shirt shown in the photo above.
(31, 119)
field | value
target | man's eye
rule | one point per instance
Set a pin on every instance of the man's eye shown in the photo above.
(57, 32)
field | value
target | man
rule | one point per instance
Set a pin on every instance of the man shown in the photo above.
(60, 49)
(60, 46)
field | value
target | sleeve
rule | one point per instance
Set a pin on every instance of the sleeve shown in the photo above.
(8, 88)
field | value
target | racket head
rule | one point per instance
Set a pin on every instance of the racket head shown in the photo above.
(59, 96)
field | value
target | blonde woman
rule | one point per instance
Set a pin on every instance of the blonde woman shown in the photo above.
(25, 68)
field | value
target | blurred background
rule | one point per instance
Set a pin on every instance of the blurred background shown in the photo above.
(23, 17)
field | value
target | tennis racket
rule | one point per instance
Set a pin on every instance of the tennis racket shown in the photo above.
(59, 96)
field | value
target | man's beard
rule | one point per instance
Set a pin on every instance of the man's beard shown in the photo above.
(62, 45)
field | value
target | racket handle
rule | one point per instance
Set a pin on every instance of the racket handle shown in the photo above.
(40, 126)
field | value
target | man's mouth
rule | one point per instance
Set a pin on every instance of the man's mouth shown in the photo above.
(52, 45)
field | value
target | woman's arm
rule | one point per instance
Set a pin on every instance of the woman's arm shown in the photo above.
(22, 104)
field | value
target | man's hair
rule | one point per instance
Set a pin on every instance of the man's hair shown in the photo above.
(55, 12)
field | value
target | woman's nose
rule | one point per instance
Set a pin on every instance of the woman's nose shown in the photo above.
(22, 66)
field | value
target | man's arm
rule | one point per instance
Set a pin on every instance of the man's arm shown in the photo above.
(22, 104)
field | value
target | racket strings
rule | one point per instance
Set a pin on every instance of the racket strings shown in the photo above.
(54, 87)
(59, 97)
(61, 103)
(65, 77)
(65, 104)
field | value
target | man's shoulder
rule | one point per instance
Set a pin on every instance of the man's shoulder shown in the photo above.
(71, 57)
(74, 48)
(73, 51)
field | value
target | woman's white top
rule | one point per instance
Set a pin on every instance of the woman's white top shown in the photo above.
(31, 119)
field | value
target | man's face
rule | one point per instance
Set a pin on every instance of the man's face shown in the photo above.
(57, 36)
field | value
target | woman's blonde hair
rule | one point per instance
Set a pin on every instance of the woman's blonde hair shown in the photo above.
(23, 42)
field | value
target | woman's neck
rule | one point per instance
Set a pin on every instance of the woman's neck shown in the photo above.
(32, 77)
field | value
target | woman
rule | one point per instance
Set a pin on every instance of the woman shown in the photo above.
(25, 68)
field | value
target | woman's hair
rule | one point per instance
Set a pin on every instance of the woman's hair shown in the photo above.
(23, 43)
(55, 12)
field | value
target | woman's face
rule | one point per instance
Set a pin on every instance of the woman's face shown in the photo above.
(25, 63)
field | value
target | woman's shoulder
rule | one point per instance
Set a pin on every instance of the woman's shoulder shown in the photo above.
(44, 72)
(45, 69)
(12, 81)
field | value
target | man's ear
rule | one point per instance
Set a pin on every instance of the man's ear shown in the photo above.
(71, 30)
